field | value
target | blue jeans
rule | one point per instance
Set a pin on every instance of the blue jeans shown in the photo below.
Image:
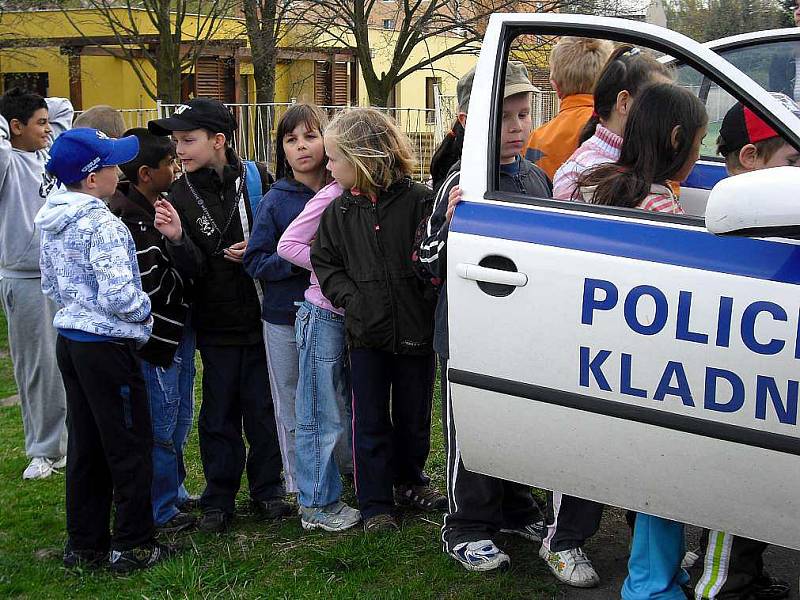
(654, 566)
(323, 393)
(171, 393)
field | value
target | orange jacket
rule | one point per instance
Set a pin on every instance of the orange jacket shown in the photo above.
(553, 143)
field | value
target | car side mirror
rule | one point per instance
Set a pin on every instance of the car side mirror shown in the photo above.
(758, 203)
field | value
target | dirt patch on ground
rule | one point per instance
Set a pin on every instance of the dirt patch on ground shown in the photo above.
(10, 401)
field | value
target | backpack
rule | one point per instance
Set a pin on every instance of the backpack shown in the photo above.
(253, 182)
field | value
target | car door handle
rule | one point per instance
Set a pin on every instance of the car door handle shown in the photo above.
(484, 274)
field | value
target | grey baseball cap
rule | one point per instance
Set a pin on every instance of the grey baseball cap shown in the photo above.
(517, 82)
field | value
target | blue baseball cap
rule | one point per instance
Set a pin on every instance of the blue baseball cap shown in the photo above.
(78, 152)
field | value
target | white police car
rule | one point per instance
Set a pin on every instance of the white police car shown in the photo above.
(630, 357)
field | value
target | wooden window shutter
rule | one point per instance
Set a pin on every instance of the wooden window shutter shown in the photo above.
(341, 80)
(213, 78)
(322, 87)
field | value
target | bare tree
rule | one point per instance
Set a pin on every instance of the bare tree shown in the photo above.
(408, 25)
(170, 38)
(268, 23)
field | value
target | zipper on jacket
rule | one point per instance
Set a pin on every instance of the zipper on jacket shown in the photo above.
(376, 229)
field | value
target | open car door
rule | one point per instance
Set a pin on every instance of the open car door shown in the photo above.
(625, 356)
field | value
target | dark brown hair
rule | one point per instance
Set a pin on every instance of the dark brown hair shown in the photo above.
(309, 115)
(648, 155)
(628, 69)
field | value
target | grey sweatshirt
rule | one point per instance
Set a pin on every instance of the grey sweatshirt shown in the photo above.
(24, 185)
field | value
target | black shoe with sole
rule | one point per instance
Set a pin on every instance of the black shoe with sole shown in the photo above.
(123, 562)
(214, 520)
(84, 559)
(191, 503)
(274, 508)
(176, 524)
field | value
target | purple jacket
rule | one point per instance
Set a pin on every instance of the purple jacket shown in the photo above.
(295, 243)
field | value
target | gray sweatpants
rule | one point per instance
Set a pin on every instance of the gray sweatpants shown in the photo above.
(283, 371)
(32, 341)
(283, 362)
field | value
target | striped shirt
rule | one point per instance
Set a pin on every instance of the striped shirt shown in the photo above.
(660, 199)
(603, 147)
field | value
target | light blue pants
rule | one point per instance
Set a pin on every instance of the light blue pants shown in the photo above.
(654, 567)
(323, 395)
(282, 359)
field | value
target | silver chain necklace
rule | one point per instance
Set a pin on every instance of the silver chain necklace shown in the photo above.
(207, 220)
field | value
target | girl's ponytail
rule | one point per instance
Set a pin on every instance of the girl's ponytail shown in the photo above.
(628, 69)
(447, 154)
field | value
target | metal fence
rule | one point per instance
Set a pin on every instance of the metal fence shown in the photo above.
(254, 137)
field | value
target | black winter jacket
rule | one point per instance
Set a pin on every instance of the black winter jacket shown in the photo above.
(168, 288)
(362, 258)
(226, 310)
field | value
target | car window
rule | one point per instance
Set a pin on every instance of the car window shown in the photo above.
(533, 49)
(770, 64)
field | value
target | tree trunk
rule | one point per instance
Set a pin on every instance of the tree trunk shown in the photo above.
(260, 22)
(168, 65)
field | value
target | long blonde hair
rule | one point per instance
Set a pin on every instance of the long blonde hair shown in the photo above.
(371, 141)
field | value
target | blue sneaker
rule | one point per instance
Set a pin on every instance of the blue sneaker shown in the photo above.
(482, 555)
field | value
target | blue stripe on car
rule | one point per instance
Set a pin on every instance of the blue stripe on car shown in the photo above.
(705, 175)
(693, 248)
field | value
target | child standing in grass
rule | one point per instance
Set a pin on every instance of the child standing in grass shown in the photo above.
(89, 269)
(300, 174)
(28, 125)
(362, 255)
(481, 506)
(323, 385)
(168, 356)
(207, 224)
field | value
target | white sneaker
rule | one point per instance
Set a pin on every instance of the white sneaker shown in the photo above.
(482, 555)
(39, 468)
(572, 567)
(60, 463)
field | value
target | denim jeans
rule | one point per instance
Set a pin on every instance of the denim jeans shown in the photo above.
(171, 393)
(323, 393)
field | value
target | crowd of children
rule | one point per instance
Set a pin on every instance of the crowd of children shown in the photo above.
(318, 310)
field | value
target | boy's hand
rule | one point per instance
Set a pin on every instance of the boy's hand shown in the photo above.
(235, 253)
(452, 201)
(167, 221)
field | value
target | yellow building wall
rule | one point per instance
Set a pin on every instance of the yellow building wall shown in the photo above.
(110, 80)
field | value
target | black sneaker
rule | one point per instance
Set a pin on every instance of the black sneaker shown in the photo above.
(191, 504)
(141, 557)
(274, 508)
(767, 587)
(83, 559)
(177, 523)
(214, 520)
(423, 497)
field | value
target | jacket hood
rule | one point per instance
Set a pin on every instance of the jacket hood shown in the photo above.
(62, 207)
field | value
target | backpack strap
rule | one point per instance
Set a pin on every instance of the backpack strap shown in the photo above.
(253, 181)
(243, 216)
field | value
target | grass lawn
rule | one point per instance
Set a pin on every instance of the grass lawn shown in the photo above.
(254, 560)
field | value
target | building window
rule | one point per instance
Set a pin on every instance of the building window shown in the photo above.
(37, 83)
(431, 83)
(388, 23)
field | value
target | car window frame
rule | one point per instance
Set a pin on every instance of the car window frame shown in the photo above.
(617, 30)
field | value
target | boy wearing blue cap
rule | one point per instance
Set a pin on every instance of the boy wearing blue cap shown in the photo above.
(89, 269)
